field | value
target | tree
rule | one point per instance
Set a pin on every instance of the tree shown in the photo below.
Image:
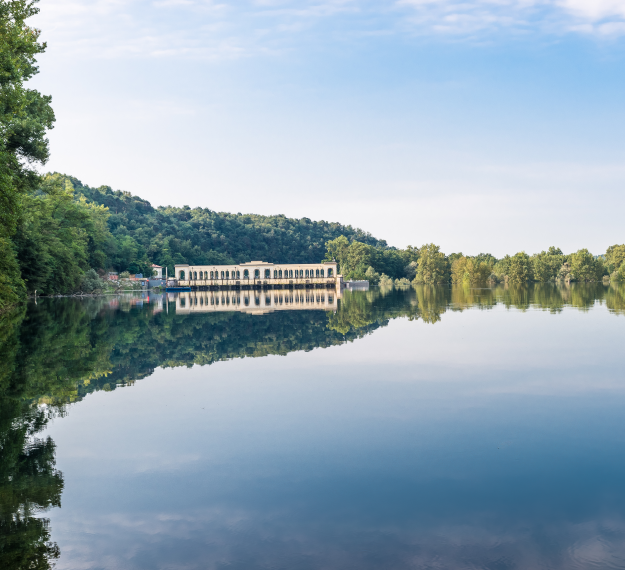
(458, 269)
(470, 271)
(59, 238)
(547, 264)
(453, 257)
(11, 284)
(372, 276)
(25, 115)
(360, 256)
(336, 250)
(411, 270)
(614, 257)
(502, 268)
(619, 274)
(433, 267)
(520, 270)
(585, 267)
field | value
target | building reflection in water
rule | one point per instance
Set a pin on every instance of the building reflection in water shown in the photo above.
(256, 302)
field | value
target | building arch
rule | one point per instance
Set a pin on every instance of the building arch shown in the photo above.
(181, 275)
(246, 275)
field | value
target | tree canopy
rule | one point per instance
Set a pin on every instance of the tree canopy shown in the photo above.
(25, 116)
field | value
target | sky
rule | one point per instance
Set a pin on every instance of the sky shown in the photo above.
(480, 125)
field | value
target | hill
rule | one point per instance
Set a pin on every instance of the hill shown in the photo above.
(167, 235)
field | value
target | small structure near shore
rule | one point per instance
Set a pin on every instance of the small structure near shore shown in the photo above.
(357, 285)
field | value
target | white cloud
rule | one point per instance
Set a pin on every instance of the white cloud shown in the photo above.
(597, 17)
(594, 10)
(215, 30)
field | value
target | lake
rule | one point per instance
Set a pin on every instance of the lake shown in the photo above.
(428, 427)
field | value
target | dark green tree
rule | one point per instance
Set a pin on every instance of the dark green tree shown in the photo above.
(520, 268)
(25, 116)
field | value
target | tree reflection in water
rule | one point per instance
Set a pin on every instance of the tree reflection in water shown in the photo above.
(56, 352)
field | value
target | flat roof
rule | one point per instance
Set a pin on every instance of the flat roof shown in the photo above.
(247, 263)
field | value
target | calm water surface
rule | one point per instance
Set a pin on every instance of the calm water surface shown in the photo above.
(420, 428)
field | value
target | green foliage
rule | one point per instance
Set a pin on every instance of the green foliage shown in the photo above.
(520, 268)
(453, 257)
(411, 270)
(11, 284)
(385, 280)
(546, 265)
(356, 258)
(169, 235)
(553, 265)
(502, 268)
(25, 115)
(60, 238)
(29, 485)
(487, 258)
(619, 274)
(29, 482)
(372, 276)
(584, 267)
(433, 267)
(91, 282)
(360, 256)
(614, 258)
(471, 271)
(432, 302)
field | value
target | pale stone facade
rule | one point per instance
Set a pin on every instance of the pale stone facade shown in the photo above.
(257, 302)
(258, 273)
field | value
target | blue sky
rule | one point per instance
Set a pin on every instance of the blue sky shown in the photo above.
(479, 125)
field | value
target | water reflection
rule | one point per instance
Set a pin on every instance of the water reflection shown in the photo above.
(257, 302)
(420, 501)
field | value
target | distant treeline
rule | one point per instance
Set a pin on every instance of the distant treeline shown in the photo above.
(427, 264)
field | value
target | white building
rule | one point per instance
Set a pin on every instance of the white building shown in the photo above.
(259, 273)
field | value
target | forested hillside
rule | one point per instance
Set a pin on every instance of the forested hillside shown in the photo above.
(66, 231)
(168, 235)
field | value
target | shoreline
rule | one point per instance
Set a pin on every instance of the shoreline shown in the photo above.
(118, 292)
